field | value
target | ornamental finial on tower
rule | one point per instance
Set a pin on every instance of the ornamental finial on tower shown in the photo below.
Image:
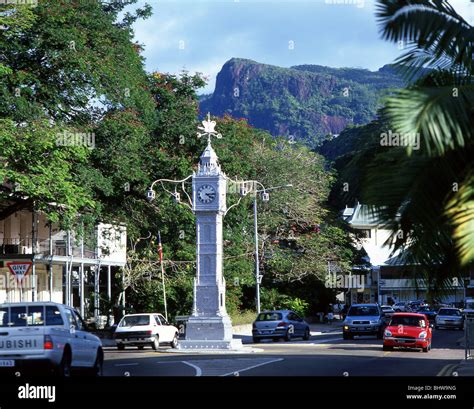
(208, 163)
(208, 128)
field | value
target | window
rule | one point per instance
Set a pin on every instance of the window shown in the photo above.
(363, 311)
(17, 317)
(35, 315)
(135, 320)
(53, 316)
(157, 319)
(366, 233)
(4, 319)
(449, 312)
(79, 321)
(293, 317)
(163, 320)
(269, 316)
(407, 321)
(70, 318)
(31, 316)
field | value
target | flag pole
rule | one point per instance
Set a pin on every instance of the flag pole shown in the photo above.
(160, 251)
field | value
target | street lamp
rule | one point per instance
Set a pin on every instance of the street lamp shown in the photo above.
(244, 190)
(265, 198)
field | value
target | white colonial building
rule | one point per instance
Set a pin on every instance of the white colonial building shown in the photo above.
(60, 266)
(388, 279)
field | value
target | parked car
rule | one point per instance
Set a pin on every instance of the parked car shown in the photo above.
(413, 306)
(279, 324)
(387, 311)
(363, 319)
(142, 330)
(449, 318)
(408, 330)
(428, 311)
(400, 306)
(50, 335)
(468, 310)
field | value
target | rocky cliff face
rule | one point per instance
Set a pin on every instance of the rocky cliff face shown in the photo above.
(307, 102)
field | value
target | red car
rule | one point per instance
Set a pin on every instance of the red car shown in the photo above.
(408, 330)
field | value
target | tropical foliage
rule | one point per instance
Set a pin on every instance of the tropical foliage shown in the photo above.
(72, 68)
(421, 183)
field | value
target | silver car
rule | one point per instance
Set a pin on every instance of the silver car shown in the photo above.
(363, 319)
(449, 318)
(279, 324)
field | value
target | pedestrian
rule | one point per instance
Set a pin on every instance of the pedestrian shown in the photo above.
(344, 312)
(330, 313)
(330, 317)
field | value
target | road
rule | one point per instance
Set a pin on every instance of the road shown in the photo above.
(323, 355)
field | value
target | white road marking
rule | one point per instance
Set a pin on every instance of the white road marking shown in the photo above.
(198, 370)
(131, 364)
(322, 341)
(252, 367)
(447, 369)
(169, 362)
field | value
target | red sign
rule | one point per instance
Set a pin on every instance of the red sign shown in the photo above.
(19, 269)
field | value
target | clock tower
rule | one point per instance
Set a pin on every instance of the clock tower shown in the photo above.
(209, 326)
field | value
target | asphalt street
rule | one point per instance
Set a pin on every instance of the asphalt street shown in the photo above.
(323, 355)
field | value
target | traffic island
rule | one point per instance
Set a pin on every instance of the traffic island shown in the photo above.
(234, 346)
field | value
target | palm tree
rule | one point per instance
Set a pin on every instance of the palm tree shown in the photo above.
(424, 188)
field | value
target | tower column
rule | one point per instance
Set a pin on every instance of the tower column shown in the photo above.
(209, 326)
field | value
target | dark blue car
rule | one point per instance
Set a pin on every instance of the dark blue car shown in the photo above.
(428, 311)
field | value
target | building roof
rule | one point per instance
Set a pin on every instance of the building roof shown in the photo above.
(208, 163)
(363, 215)
(347, 212)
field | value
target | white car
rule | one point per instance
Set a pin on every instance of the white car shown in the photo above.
(400, 307)
(145, 329)
(449, 318)
(50, 334)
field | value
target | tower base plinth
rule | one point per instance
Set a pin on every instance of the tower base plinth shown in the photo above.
(210, 333)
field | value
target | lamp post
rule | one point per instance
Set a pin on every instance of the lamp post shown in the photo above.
(265, 198)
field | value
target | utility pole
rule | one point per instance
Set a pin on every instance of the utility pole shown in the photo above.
(257, 263)
(265, 198)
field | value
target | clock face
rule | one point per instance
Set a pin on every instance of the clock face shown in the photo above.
(206, 193)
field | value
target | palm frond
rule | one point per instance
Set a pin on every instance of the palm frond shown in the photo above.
(443, 120)
(461, 211)
(430, 25)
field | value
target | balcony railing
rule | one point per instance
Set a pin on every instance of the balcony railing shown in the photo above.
(12, 246)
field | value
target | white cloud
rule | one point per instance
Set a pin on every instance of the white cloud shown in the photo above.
(214, 31)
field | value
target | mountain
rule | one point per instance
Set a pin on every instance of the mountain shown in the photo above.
(308, 102)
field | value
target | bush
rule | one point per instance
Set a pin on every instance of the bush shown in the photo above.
(297, 305)
(244, 317)
(273, 300)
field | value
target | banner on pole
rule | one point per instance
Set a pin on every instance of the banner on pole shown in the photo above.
(19, 269)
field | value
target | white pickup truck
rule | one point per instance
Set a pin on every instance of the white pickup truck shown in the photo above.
(50, 334)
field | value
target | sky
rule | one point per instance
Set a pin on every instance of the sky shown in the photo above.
(201, 35)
